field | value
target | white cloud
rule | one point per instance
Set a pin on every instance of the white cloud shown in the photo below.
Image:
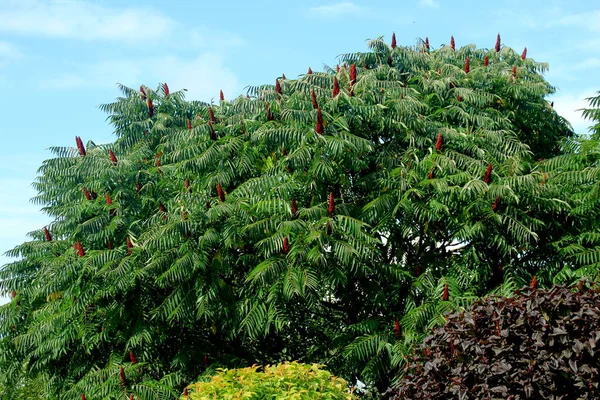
(589, 20)
(566, 105)
(429, 3)
(588, 63)
(337, 9)
(202, 76)
(83, 20)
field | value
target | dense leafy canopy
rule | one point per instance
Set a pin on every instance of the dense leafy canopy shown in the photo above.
(538, 345)
(331, 219)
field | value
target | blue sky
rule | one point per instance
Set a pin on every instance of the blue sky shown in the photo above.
(60, 59)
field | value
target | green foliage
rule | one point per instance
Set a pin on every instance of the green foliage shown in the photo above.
(289, 226)
(280, 382)
(541, 344)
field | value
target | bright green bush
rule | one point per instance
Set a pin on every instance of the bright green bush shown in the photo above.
(281, 381)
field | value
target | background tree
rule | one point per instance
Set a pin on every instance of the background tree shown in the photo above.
(331, 218)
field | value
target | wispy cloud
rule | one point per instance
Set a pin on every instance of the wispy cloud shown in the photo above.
(337, 9)
(8, 51)
(429, 3)
(83, 20)
(203, 76)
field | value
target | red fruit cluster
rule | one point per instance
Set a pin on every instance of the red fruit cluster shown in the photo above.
(294, 207)
(446, 294)
(397, 328)
(488, 174)
(438, 144)
(122, 375)
(497, 47)
(319, 124)
(221, 96)
(496, 204)
(393, 41)
(211, 115)
(80, 146)
(467, 65)
(129, 247)
(166, 89)
(189, 124)
(108, 199)
(427, 43)
(352, 74)
(113, 158)
(157, 159)
(86, 194)
(309, 72)
(269, 113)
(331, 207)
(533, 283)
(132, 358)
(286, 246)
(452, 44)
(336, 87)
(313, 99)
(524, 54)
(150, 108)
(77, 246)
(220, 192)
(47, 234)
(486, 61)
(278, 87)
(142, 93)
(514, 71)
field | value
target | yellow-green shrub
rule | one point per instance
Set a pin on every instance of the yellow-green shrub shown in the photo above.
(281, 381)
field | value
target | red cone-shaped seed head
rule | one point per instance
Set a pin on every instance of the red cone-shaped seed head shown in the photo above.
(142, 93)
(132, 358)
(431, 174)
(319, 124)
(313, 98)
(352, 74)
(220, 192)
(122, 374)
(157, 159)
(286, 246)
(294, 207)
(211, 115)
(47, 234)
(524, 54)
(150, 108)
(467, 65)
(108, 199)
(331, 207)
(77, 246)
(131, 397)
(83, 396)
(189, 124)
(533, 283)
(427, 43)
(86, 194)
(187, 183)
(459, 98)
(488, 174)
(496, 204)
(486, 61)
(211, 130)
(221, 96)
(309, 72)
(394, 40)
(337, 68)
(497, 47)
(185, 392)
(336, 87)
(80, 146)
(113, 158)
(277, 86)
(438, 144)
(129, 246)
(452, 44)
(166, 89)
(514, 71)
(269, 113)
(397, 327)
(446, 294)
